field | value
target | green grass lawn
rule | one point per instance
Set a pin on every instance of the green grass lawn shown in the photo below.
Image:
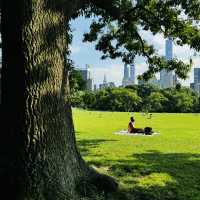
(165, 166)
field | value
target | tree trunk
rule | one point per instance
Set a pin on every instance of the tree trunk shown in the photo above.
(39, 155)
(39, 158)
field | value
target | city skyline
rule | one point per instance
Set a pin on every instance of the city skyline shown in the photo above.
(167, 78)
(196, 84)
(197, 75)
(129, 75)
(83, 53)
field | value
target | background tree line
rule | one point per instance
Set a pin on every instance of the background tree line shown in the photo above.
(145, 98)
(39, 156)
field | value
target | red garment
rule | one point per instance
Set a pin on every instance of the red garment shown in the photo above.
(131, 127)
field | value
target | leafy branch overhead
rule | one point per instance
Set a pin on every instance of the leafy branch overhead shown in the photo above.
(116, 30)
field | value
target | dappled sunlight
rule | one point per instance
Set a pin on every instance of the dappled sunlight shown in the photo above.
(154, 179)
(150, 168)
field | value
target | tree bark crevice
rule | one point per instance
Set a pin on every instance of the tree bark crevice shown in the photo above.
(41, 161)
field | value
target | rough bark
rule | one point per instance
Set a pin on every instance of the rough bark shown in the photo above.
(40, 159)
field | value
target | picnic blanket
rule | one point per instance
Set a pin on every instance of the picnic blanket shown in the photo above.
(125, 132)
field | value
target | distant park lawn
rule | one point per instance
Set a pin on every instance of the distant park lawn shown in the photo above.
(165, 166)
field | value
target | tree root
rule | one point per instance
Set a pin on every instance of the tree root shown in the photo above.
(96, 183)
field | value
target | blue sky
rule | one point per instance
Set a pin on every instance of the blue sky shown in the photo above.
(85, 53)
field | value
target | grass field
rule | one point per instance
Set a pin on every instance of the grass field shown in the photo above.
(165, 166)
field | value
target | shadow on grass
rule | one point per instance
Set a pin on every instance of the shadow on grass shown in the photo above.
(158, 176)
(85, 145)
(152, 175)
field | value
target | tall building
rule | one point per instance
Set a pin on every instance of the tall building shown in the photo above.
(132, 74)
(192, 86)
(196, 85)
(125, 80)
(126, 72)
(106, 84)
(89, 84)
(175, 80)
(86, 75)
(95, 87)
(169, 49)
(129, 75)
(196, 75)
(104, 79)
(197, 88)
(167, 78)
(153, 81)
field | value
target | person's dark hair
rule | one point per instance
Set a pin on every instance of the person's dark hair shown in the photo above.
(132, 119)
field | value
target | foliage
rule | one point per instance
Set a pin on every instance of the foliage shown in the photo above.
(181, 100)
(146, 98)
(124, 100)
(155, 102)
(89, 99)
(117, 99)
(76, 81)
(197, 105)
(77, 99)
(118, 36)
(113, 99)
(159, 167)
(117, 30)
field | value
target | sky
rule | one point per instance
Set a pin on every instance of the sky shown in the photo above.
(85, 53)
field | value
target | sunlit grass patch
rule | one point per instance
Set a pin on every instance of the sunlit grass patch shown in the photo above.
(161, 167)
(155, 179)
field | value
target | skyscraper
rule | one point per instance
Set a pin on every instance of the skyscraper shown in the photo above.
(196, 84)
(167, 78)
(125, 80)
(196, 75)
(104, 79)
(132, 74)
(129, 75)
(86, 75)
(126, 72)
(106, 84)
(168, 49)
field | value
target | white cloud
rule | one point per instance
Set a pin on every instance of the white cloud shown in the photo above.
(157, 40)
(140, 68)
(196, 61)
(113, 72)
(84, 53)
(75, 49)
(190, 79)
(182, 52)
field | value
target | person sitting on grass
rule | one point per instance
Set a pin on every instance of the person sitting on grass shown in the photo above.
(131, 125)
(132, 129)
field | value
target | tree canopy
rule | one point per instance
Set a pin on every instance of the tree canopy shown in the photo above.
(40, 159)
(118, 24)
(140, 98)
